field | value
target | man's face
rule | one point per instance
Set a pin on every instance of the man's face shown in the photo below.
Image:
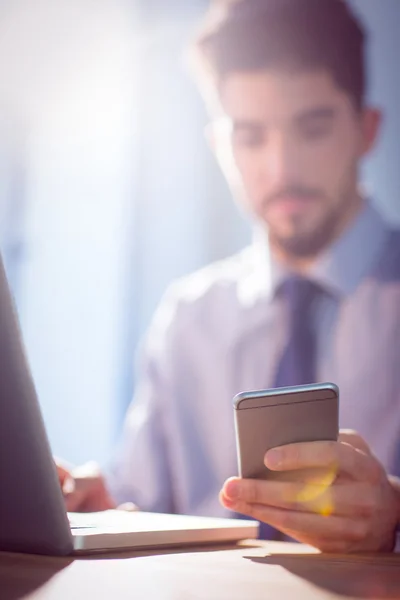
(296, 141)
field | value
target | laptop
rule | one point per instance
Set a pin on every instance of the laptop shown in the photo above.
(33, 518)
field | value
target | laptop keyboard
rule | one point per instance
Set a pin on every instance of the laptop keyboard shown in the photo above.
(108, 519)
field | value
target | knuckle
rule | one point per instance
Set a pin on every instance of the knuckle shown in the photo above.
(252, 492)
(367, 505)
(354, 439)
(286, 521)
(72, 503)
(345, 433)
(342, 530)
(358, 531)
(375, 471)
(332, 452)
(251, 511)
(293, 498)
(349, 436)
(292, 455)
(62, 473)
(332, 547)
(100, 484)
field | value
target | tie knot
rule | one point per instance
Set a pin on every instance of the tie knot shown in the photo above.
(300, 293)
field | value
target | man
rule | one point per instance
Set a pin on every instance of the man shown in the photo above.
(315, 298)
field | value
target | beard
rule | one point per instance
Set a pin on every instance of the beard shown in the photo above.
(307, 244)
(306, 240)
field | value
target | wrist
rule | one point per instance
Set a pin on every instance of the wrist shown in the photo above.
(395, 483)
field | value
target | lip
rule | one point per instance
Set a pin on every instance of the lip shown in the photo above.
(292, 204)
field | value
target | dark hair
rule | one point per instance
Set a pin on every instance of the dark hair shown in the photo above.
(251, 35)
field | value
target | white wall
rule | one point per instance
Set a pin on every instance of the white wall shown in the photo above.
(71, 72)
(382, 173)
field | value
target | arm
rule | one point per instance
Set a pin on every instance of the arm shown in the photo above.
(140, 471)
(395, 483)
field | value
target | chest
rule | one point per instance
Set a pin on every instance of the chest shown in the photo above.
(358, 348)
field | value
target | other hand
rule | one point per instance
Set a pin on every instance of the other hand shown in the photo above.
(84, 488)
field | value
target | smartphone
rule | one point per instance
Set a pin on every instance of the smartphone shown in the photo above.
(271, 418)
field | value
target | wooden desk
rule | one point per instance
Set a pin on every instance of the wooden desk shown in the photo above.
(249, 571)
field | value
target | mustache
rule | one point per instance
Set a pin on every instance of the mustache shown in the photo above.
(297, 191)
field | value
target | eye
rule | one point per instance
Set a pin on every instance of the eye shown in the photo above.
(316, 130)
(248, 137)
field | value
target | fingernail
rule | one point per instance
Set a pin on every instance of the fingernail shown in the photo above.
(68, 486)
(273, 458)
(232, 489)
(128, 507)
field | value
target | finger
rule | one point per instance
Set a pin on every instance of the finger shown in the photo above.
(74, 502)
(63, 474)
(81, 501)
(94, 495)
(279, 494)
(88, 470)
(304, 526)
(68, 486)
(348, 436)
(63, 464)
(343, 500)
(80, 498)
(66, 480)
(339, 456)
(128, 507)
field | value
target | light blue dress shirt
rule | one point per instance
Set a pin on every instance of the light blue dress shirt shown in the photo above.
(221, 331)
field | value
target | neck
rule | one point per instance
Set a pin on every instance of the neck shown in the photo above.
(302, 264)
(296, 264)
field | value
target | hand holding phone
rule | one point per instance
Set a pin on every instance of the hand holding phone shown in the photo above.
(353, 507)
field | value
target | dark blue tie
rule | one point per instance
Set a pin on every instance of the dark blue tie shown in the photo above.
(297, 365)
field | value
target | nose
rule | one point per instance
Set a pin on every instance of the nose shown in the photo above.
(281, 160)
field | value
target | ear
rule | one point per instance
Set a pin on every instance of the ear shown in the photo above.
(222, 152)
(209, 134)
(372, 119)
(215, 143)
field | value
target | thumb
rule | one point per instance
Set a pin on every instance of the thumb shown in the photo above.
(352, 438)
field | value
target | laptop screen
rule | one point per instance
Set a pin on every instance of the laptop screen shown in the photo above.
(32, 513)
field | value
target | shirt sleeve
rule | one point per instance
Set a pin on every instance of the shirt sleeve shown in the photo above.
(140, 472)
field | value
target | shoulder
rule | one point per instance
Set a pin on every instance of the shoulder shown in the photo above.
(202, 301)
(387, 269)
(210, 288)
(217, 280)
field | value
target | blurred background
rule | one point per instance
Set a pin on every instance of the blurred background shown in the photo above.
(108, 190)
